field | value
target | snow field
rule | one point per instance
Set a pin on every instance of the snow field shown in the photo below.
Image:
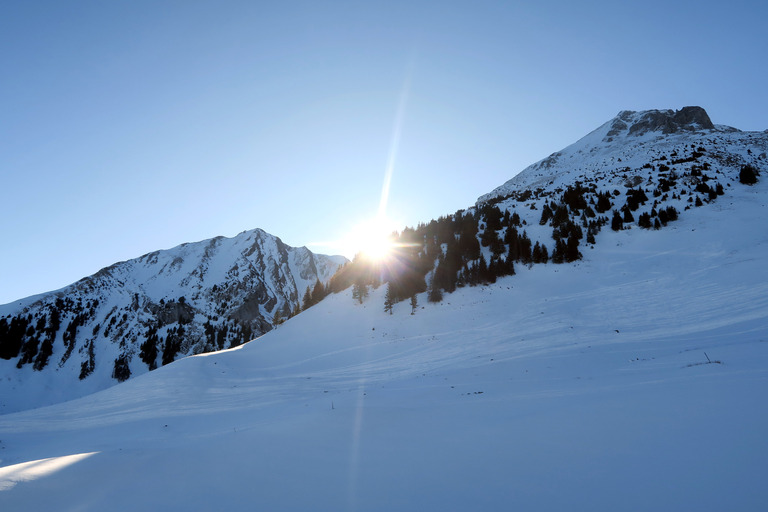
(565, 387)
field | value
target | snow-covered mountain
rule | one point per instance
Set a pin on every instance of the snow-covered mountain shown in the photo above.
(634, 147)
(140, 314)
(629, 379)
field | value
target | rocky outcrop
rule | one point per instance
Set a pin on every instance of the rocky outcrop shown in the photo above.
(670, 121)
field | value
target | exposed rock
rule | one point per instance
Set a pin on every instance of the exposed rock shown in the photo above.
(670, 121)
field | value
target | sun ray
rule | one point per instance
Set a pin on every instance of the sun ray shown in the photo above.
(394, 143)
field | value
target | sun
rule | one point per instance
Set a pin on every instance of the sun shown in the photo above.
(372, 239)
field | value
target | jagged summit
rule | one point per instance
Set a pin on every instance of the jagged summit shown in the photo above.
(665, 121)
(138, 314)
(630, 141)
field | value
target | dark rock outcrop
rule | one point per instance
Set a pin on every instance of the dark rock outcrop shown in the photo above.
(670, 121)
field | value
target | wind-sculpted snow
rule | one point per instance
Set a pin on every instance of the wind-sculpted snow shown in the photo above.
(630, 380)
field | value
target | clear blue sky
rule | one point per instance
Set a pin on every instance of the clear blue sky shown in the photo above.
(131, 126)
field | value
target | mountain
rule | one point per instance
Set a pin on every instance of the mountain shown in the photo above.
(140, 314)
(635, 145)
(629, 378)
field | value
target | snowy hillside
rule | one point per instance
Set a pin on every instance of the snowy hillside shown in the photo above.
(631, 380)
(635, 144)
(615, 358)
(140, 314)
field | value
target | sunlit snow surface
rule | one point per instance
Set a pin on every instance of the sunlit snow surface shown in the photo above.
(583, 387)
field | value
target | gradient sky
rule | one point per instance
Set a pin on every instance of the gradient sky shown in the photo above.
(132, 126)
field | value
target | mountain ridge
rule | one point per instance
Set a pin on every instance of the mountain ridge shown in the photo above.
(190, 299)
(137, 314)
(588, 386)
(627, 139)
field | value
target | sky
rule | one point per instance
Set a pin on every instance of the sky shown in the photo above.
(132, 126)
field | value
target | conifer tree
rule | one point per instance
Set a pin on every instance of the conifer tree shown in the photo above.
(121, 371)
(389, 300)
(525, 248)
(148, 352)
(318, 292)
(483, 275)
(307, 302)
(748, 175)
(572, 249)
(359, 290)
(536, 253)
(434, 294)
(617, 224)
(603, 202)
(546, 214)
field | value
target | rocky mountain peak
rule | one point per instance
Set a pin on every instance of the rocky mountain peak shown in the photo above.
(664, 121)
(635, 141)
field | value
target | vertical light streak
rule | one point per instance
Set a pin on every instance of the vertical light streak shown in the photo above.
(394, 145)
(357, 427)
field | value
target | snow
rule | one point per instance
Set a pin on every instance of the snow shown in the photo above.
(564, 387)
(603, 154)
(240, 264)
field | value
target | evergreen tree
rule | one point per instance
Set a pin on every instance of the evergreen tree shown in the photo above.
(307, 302)
(359, 291)
(603, 202)
(617, 224)
(525, 248)
(12, 336)
(671, 213)
(509, 266)
(644, 221)
(389, 300)
(558, 254)
(121, 371)
(148, 353)
(546, 214)
(544, 258)
(434, 293)
(536, 253)
(45, 352)
(483, 276)
(572, 249)
(748, 175)
(87, 366)
(560, 216)
(414, 304)
(318, 292)
(493, 218)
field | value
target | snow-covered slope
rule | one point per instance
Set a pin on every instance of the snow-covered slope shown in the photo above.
(636, 144)
(632, 380)
(145, 312)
